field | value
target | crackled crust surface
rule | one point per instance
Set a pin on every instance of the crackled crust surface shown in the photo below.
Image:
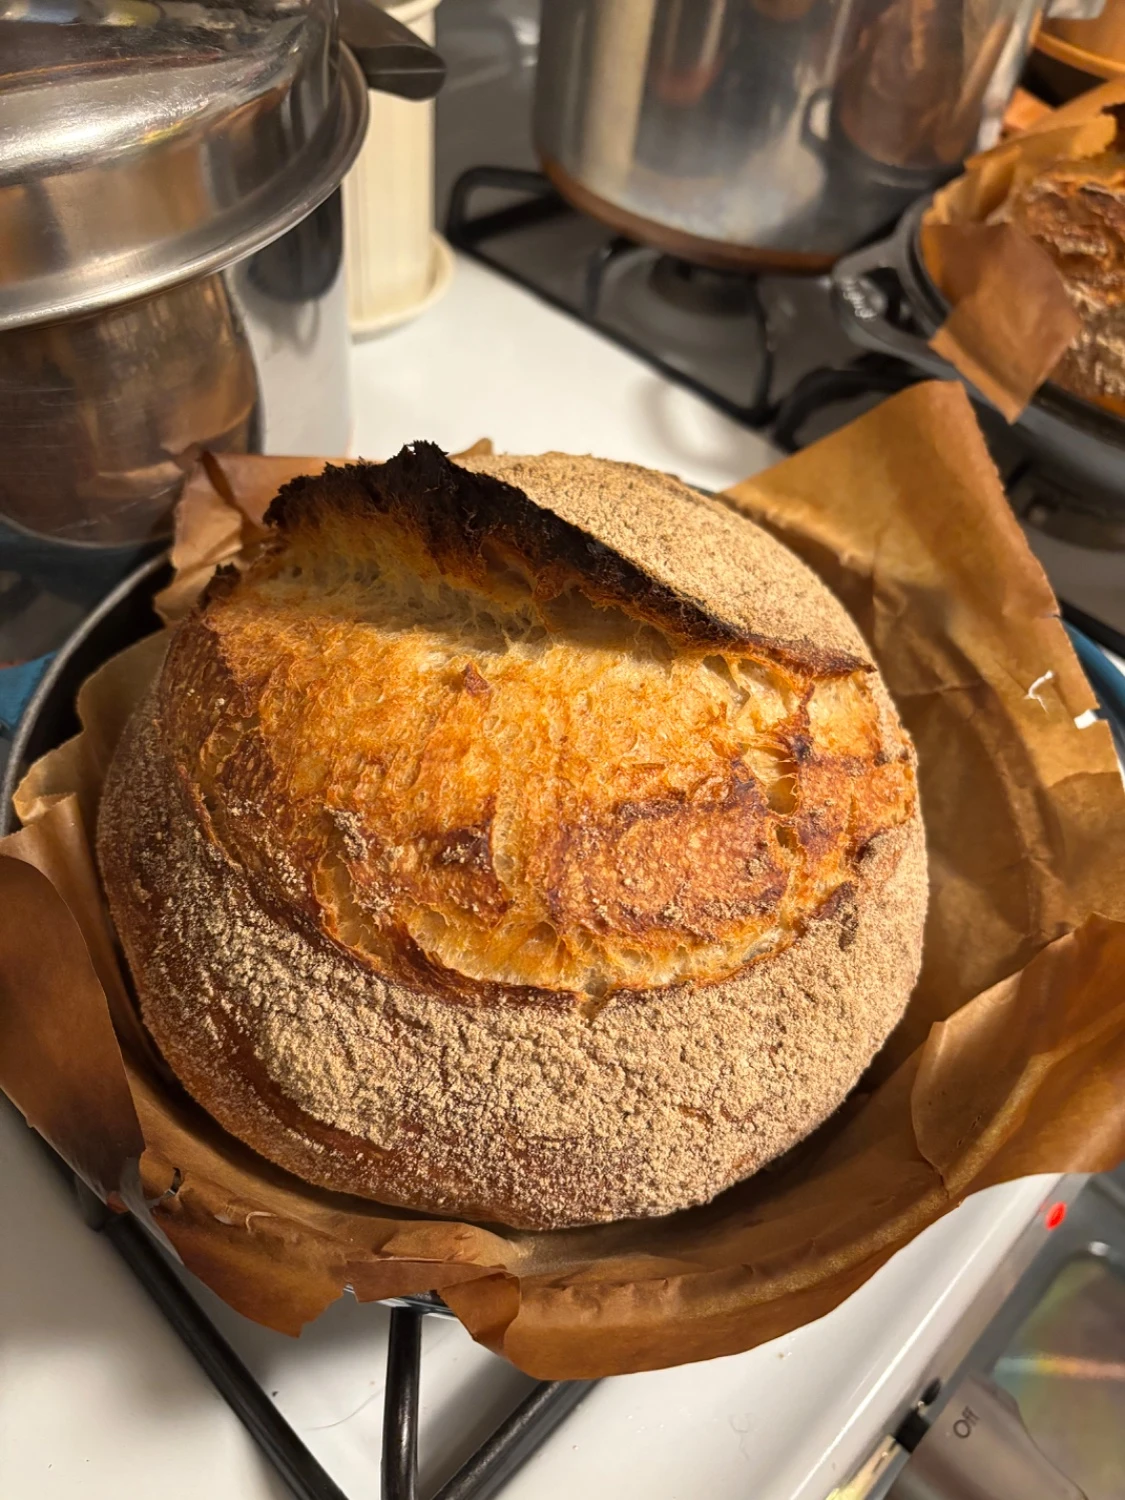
(529, 839)
(1075, 210)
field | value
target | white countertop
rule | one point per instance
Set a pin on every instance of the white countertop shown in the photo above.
(492, 361)
(97, 1397)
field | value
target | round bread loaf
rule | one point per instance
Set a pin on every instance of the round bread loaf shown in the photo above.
(1075, 211)
(527, 839)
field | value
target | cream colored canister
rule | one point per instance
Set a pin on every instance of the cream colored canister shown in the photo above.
(397, 264)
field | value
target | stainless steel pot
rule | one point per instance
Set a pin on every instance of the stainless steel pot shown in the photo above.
(758, 133)
(171, 276)
(886, 301)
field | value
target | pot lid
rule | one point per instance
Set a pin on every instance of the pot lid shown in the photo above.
(145, 141)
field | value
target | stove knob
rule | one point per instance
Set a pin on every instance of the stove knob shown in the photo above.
(977, 1448)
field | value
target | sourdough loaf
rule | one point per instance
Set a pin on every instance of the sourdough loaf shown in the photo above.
(527, 839)
(1075, 210)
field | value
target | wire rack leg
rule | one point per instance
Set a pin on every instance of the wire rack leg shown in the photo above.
(400, 1406)
(487, 1471)
(234, 1382)
(497, 1459)
(516, 1439)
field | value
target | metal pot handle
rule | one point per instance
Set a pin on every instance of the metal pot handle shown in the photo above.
(863, 307)
(393, 59)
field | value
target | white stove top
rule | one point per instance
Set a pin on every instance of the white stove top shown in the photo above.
(97, 1396)
(99, 1399)
(492, 361)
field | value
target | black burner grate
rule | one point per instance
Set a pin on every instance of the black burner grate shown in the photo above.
(538, 203)
(506, 239)
(775, 339)
(498, 1458)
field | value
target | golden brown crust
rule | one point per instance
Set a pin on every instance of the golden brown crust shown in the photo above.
(412, 925)
(464, 517)
(1076, 211)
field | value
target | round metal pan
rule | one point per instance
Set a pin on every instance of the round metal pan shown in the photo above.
(126, 615)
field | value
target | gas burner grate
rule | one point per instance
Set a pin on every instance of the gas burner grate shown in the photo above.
(498, 1458)
(766, 350)
(735, 295)
(1049, 505)
(832, 385)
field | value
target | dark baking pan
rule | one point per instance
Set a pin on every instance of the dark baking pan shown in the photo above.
(123, 616)
(887, 302)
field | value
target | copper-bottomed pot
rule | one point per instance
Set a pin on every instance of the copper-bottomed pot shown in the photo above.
(763, 134)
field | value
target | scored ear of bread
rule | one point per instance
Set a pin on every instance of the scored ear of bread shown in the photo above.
(514, 795)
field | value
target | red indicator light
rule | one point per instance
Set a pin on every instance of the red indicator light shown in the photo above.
(1055, 1215)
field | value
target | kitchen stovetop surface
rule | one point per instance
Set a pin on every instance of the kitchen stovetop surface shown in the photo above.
(97, 1395)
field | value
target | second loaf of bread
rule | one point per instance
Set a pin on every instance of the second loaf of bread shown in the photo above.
(1075, 211)
(529, 839)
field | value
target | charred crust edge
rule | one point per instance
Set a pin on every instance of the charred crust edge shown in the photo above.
(457, 513)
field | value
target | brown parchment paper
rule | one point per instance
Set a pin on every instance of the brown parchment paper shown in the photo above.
(1011, 319)
(1010, 1060)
